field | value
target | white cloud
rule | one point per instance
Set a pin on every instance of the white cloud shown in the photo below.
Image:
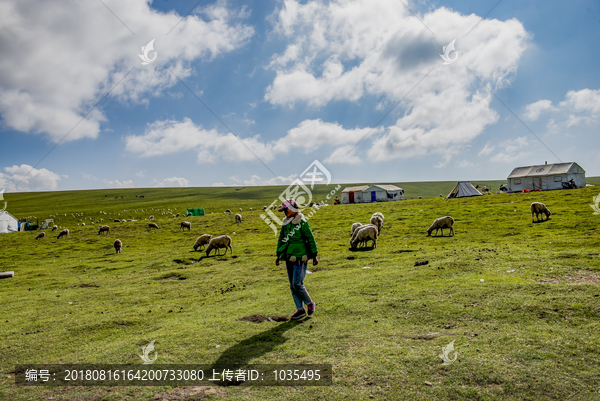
(119, 184)
(346, 50)
(512, 149)
(487, 149)
(26, 178)
(170, 136)
(533, 110)
(255, 180)
(579, 108)
(141, 173)
(60, 58)
(173, 182)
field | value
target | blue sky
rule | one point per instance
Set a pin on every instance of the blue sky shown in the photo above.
(294, 81)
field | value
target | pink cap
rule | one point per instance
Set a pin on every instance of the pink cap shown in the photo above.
(289, 203)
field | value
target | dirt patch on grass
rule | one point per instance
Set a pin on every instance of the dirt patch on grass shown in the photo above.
(183, 262)
(187, 393)
(583, 277)
(86, 285)
(263, 318)
(428, 336)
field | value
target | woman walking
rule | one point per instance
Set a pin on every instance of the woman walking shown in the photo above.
(296, 245)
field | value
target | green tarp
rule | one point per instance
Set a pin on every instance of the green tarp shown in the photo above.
(195, 212)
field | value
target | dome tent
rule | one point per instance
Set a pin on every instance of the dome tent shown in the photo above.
(463, 189)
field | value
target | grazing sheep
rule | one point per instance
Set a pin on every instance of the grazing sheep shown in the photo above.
(41, 235)
(202, 241)
(101, 220)
(354, 227)
(178, 214)
(223, 241)
(249, 209)
(63, 233)
(238, 218)
(240, 209)
(185, 224)
(104, 229)
(83, 224)
(153, 225)
(539, 208)
(151, 218)
(118, 245)
(358, 229)
(117, 221)
(264, 208)
(227, 211)
(440, 224)
(379, 214)
(377, 221)
(363, 235)
(420, 197)
(54, 228)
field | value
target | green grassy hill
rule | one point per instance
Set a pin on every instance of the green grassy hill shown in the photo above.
(520, 299)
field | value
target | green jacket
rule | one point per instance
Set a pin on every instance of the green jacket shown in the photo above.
(296, 239)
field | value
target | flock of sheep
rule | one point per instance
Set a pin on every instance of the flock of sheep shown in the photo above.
(360, 234)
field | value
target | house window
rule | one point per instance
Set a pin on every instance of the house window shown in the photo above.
(517, 182)
(558, 179)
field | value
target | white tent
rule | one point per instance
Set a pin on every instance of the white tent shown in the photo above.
(545, 177)
(463, 189)
(382, 193)
(8, 223)
(353, 194)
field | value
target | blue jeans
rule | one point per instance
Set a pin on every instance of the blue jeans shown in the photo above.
(296, 273)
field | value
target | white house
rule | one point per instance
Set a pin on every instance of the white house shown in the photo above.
(353, 194)
(545, 177)
(8, 223)
(382, 193)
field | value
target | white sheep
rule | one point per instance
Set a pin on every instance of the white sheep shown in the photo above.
(118, 245)
(264, 208)
(363, 235)
(41, 235)
(104, 229)
(117, 220)
(238, 218)
(178, 214)
(202, 241)
(377, 221)
(83, 224)
(379, 214)
(153, 225)
(249, 209)
(227, 211)
(440, 224)
(223, 241)
(358, 229)
(54, 228)
(185, 224)
(354, 227)
(539, 208)
(151, 218)
(63, 233)
(240, 209)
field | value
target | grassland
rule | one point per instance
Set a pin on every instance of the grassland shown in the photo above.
(528, 331)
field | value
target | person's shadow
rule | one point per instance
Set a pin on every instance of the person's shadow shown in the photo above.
(242, 353)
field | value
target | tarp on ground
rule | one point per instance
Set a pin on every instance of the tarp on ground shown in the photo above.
(195, 212)
(463, 189)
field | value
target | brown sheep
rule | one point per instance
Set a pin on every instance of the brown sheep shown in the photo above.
(63, 233)
(539, 208)
(104, 229)
(41, 235)
(223, 241)
(202, 241)
(440, 224)
(185, 224)
(118, 245)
